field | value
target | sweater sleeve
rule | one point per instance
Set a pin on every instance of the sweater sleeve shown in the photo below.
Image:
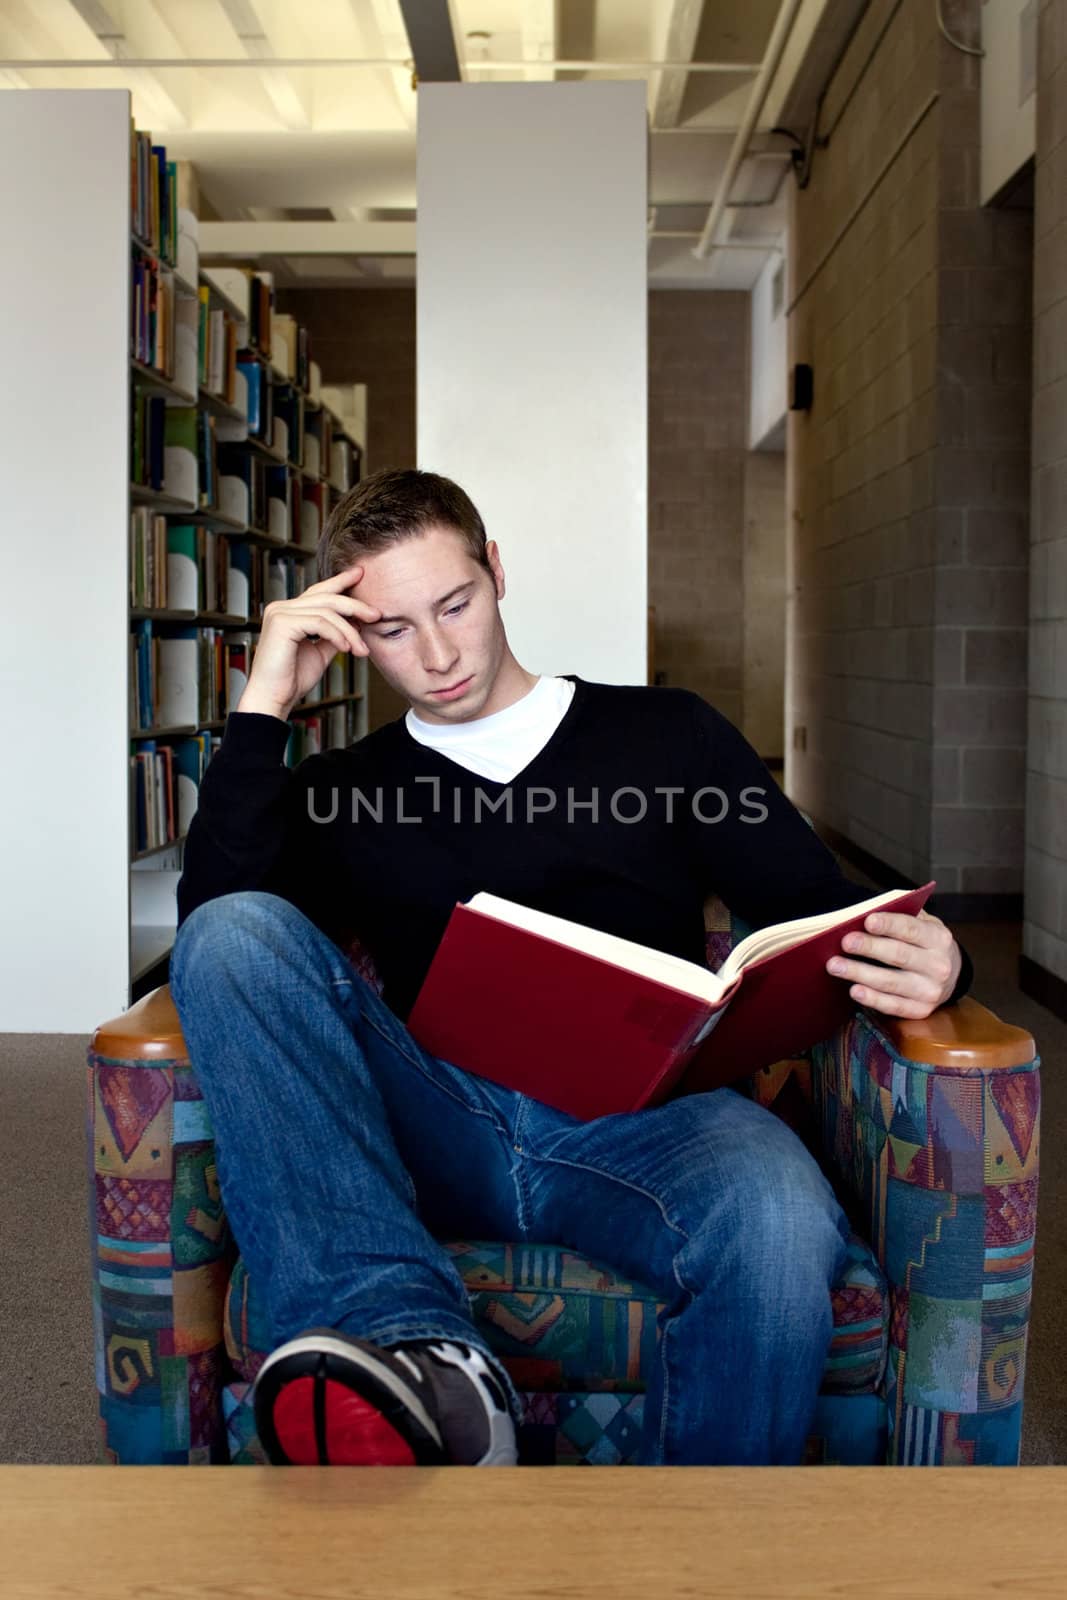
(253, 828)
(763, 857)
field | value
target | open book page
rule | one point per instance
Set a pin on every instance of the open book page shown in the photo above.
(677, 973)
(783, 935)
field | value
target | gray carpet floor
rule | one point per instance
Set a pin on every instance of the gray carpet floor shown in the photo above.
(47, 1396)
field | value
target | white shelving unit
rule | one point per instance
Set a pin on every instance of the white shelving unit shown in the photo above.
(85, 916)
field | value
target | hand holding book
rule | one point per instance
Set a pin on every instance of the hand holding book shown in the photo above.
(594, 1024)
(920, 963)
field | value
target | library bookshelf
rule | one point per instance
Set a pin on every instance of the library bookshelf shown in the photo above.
(157, 517)
(251, 458)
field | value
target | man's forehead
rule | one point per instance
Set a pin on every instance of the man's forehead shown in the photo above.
(413, 564)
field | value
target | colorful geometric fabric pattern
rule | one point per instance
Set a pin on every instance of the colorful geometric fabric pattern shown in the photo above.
(936, 1168)
(561, 1322)
(162, 1256)
(602, 1429)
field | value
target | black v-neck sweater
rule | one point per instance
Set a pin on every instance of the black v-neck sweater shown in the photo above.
(642, 803)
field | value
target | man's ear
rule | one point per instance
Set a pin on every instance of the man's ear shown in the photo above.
(492, 555)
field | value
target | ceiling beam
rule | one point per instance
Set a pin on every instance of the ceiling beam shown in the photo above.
(432, 36)
(540, 38)
(350, 63)
(306, 239)
(683, 26)
(393, 42)
(246, 22)
(165, 112)
(776, 45)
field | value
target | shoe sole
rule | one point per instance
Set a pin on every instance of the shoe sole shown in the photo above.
(320, 1401)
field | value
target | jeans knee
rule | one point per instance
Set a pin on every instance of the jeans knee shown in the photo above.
(799, 1226)
(216, 925)
(788, 1232)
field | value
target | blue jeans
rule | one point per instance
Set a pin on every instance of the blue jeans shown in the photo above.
(345, 1153)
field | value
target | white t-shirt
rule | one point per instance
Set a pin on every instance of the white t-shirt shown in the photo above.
(501, 745)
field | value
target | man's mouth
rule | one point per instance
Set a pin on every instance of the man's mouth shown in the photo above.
(453, 689)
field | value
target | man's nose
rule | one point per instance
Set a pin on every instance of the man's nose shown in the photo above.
(438, 652)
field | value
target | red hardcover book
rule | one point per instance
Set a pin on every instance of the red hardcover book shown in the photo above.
(594, 1024)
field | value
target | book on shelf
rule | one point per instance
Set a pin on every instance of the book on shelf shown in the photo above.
(199, 566)
(148, 559)
(242, 579)
(152, 315)
(217, 365)
(341, 464)
(260, 407)
(184, 583)
(239, 649)
(592, 1023)
(289, 408)
(206, 461)
(165, 779)
(185, 344)
(144, 667)
(147, 439)
(180, 443)
(153, 195)
(153, 811)
(177, 697)
(191, 757)
(261, 306)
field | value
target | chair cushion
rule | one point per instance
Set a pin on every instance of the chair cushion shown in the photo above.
(561, 1322)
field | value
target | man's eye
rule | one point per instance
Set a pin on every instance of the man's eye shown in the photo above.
(452, 610)
(394, 635)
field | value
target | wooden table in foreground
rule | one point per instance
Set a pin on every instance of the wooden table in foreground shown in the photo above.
(257, 1533)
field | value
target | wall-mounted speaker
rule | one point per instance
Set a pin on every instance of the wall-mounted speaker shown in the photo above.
(801, 387)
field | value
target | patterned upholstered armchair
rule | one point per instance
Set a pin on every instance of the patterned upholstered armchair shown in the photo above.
(929, 1131)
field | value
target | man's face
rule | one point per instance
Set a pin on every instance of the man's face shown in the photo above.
(440, 623)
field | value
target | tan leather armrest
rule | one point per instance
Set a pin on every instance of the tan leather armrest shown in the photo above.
(965, 1034)
(148, 1031)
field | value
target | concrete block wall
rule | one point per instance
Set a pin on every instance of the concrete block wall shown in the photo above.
(909, 483)
(764, 582)
(716, 516)
(698, 387)
(1045, 912)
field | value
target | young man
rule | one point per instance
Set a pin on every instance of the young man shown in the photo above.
(346, 1152)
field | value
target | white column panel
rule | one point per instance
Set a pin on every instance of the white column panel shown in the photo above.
(64, 291)
(533, 352)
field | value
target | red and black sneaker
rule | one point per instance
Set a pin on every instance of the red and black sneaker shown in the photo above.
(326, 1398)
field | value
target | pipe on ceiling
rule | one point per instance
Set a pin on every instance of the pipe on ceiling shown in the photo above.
(783, 27)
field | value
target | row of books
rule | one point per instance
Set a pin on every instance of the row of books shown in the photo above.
(148, 414)
(152, 314)
(257, 492)
(153, 195)
(291, 349)
(188, 676)
(148, 559)
(260, 310)
(165, 786)
(260, 412)
(186, 567)
(165, 775)
(332, 728)
(217, 348)
(190, 466)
